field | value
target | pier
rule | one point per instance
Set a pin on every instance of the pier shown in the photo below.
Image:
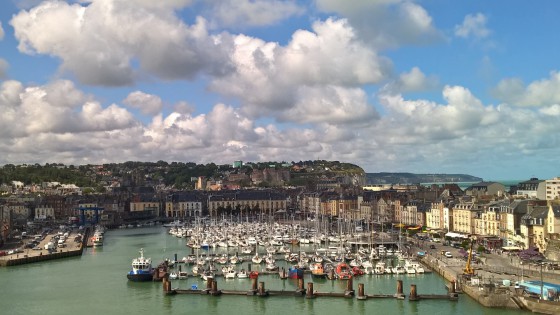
(258, 288)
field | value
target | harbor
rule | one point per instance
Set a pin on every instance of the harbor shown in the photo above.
(97, 283)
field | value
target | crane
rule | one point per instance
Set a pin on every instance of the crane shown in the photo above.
(469, 271)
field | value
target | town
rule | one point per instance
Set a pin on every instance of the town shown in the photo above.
(522, 216)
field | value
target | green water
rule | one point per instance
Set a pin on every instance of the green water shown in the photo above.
(96, 283)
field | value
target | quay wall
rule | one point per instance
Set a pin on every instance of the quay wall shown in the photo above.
(38, 258)
(486, 296)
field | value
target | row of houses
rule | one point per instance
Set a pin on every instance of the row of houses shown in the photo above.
(483, 209)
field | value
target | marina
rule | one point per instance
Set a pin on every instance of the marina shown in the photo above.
(98, 284)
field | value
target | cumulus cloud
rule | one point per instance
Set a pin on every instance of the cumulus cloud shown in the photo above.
(288, 76)
(243, 13)
(474, 26)
(413, 81)
(386, 23)
(57, 107)
(99, 41)
(538, 93)
(148, 104)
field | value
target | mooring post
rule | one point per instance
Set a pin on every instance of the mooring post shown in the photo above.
(413, 294)
(349, 288)
(166, 284)
(310, 293)
(300, 287)
(214, 291)
(399, 295)
(361, 293)
(254, 281)
(209, 284)
(261, 290)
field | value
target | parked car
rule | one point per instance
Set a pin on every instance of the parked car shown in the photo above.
(448, 255)
(432, 246)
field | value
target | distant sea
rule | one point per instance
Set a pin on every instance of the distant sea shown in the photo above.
(464, 185)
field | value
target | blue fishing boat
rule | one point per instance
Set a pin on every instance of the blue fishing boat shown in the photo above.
(295, 272)
(141, 269)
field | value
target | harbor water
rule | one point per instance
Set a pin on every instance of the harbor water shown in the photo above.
(96, 283)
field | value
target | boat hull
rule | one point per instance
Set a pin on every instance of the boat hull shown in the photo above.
(140, 277)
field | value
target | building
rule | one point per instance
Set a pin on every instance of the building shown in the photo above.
(553, 188)
(533, 228)
(463, 218)
(485, 189)
(183, 205)
(435, 216)
(44, 212)
(553, 221)
(533, 188)
(145, 205)
(246, 203)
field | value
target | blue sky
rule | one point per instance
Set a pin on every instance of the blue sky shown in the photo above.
(428, 86)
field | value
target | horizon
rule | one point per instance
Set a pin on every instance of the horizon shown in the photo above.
(403, 85)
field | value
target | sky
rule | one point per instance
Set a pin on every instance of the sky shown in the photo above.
(427, 86)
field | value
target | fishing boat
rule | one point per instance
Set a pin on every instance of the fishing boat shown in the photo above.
(295, 272)
(317, 271)
(141, 269)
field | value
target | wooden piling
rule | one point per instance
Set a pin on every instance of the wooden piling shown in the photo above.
(361, 292)
(214, 290)
(399, 294)
(310, 294)
(254, 282)
(261, 291)
(413, 294)
(349, 288)
(300, 287)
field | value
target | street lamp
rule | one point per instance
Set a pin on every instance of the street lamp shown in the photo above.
(542, 284)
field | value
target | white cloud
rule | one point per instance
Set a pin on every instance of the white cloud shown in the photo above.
(413, 81)
(1, 31)
(57, 107)
(386, 23)
(473, 26)
(242, 13)
(538, 93)
(287, 77)
(59, 123)
(99, 41)
(148, 104)
(330, 104)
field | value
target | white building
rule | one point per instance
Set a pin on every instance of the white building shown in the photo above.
(553, 188)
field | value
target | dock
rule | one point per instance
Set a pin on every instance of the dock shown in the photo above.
(258, 289)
